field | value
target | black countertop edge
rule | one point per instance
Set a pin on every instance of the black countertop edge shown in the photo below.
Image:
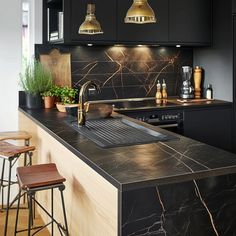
(178, 178)
(96, 168)
(125, 186)
(216, 103)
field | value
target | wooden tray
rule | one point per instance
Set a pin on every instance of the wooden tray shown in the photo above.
(59, 65)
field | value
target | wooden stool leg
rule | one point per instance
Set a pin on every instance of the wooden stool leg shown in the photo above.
(8, 198)
(2, 180)
(63, 208)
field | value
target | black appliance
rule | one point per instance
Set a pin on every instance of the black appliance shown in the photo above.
(171, 120)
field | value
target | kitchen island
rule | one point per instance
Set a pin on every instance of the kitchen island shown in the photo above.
(180, 187)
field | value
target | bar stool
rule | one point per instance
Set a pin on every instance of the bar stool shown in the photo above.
(16, 135)
(11, 153)
(32, 179)
(13, 135)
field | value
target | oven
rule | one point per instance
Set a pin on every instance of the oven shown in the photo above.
(171, 120)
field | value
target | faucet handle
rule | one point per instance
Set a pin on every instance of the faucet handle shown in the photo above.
(96, 87)
(86, 106)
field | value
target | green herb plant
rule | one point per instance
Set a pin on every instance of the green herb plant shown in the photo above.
(35, 79)
(68, 95)
(54, 91)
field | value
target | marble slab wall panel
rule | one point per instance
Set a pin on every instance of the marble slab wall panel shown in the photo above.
(205, 207)
(126, 72)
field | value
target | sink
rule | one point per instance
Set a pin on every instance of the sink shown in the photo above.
(118, 132)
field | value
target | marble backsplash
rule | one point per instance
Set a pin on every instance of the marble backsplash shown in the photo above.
(126, 72)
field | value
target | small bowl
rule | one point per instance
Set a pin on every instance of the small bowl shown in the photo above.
(72, 111)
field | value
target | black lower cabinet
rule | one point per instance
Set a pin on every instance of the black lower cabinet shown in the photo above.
(212, 126)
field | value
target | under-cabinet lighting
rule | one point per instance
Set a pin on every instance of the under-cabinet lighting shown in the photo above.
(89, 44)
(178, 46)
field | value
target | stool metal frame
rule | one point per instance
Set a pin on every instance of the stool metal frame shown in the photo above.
(31, 197)
(7, 183)
(11, 164)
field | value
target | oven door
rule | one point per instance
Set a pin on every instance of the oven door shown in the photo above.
(175, 126)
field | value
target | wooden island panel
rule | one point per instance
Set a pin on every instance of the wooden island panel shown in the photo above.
(91, 201)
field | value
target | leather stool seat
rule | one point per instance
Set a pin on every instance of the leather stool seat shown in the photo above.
(8, 150)
(15, 135)
(38, 176)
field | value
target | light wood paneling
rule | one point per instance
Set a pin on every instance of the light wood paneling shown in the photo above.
(91, 201)
(22, 223)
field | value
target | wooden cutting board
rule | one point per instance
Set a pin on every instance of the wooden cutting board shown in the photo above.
(60, 66)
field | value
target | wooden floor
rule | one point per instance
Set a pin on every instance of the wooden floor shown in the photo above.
(22, 223)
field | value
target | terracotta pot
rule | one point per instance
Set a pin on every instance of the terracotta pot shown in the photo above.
(49, 102)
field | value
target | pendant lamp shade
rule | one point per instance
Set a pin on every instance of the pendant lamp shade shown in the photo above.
(90, 25)
(140, 13)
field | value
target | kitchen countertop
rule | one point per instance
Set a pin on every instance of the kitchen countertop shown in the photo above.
(136, 104)
(139, 166)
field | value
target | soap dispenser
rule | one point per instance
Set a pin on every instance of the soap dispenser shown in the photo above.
(158, 93)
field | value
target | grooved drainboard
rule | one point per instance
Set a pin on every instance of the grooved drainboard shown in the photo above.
(117, 132)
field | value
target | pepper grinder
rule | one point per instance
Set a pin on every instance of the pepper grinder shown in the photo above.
(158, 93)
(197, 76)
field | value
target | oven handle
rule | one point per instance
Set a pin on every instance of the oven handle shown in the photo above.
(168, 125)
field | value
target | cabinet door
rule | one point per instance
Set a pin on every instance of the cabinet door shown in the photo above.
(234, 6)
(210, 126)
(105, 14)
(143, 33)
(234, 82)
(190, 21)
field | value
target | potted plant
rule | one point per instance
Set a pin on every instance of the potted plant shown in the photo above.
(35, 80)
(49, 98)
(67, 98)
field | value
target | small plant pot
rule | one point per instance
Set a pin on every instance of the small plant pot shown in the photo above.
(33, 101)
(62, 107)
(49, 102)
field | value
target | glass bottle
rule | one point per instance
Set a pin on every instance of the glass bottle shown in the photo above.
(209, 92)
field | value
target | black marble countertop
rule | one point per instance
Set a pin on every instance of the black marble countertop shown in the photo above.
(139, 166)
(137, 104)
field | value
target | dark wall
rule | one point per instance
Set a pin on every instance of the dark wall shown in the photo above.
(126, 72)
(217, 60)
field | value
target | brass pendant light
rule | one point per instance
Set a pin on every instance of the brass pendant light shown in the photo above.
(140, 13)
(90, 25)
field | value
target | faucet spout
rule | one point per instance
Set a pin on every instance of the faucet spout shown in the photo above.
(82, 110)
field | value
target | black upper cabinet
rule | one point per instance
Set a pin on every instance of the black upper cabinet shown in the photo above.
(185, 22)
(143, 33)
(234, 6)
(190, 21)
(105, 14)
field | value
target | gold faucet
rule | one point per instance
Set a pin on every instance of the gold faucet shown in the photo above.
(82, 111)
